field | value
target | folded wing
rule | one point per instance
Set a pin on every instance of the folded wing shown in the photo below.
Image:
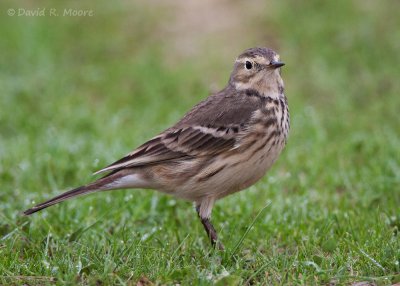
(178, 144)
(208, 129)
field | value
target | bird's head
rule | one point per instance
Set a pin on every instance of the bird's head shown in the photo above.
(258, 69)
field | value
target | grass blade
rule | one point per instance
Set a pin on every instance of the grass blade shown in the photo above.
(236, 247)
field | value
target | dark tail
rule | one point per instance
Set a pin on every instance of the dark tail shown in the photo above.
(65, 196)
(101, 184)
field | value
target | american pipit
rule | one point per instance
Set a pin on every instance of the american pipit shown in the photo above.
(223, 145)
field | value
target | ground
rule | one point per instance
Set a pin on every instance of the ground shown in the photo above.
(78, 93)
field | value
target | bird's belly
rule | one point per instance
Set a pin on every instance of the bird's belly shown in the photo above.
(251, 171)
(230, 174)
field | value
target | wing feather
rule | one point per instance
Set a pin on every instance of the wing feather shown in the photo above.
(176, 144)
(210, 128)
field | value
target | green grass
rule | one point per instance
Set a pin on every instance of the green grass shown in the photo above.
(78, 93)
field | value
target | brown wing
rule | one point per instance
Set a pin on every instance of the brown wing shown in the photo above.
(210, 128)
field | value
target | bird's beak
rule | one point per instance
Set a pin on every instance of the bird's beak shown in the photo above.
(276, 65)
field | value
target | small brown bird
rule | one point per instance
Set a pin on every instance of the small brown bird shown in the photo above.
(223, 145)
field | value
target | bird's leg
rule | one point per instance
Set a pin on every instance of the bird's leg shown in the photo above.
(210, 230)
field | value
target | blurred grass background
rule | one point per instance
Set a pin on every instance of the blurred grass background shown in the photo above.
(77, 93)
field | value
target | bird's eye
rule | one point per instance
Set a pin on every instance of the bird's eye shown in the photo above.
(248, 65)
